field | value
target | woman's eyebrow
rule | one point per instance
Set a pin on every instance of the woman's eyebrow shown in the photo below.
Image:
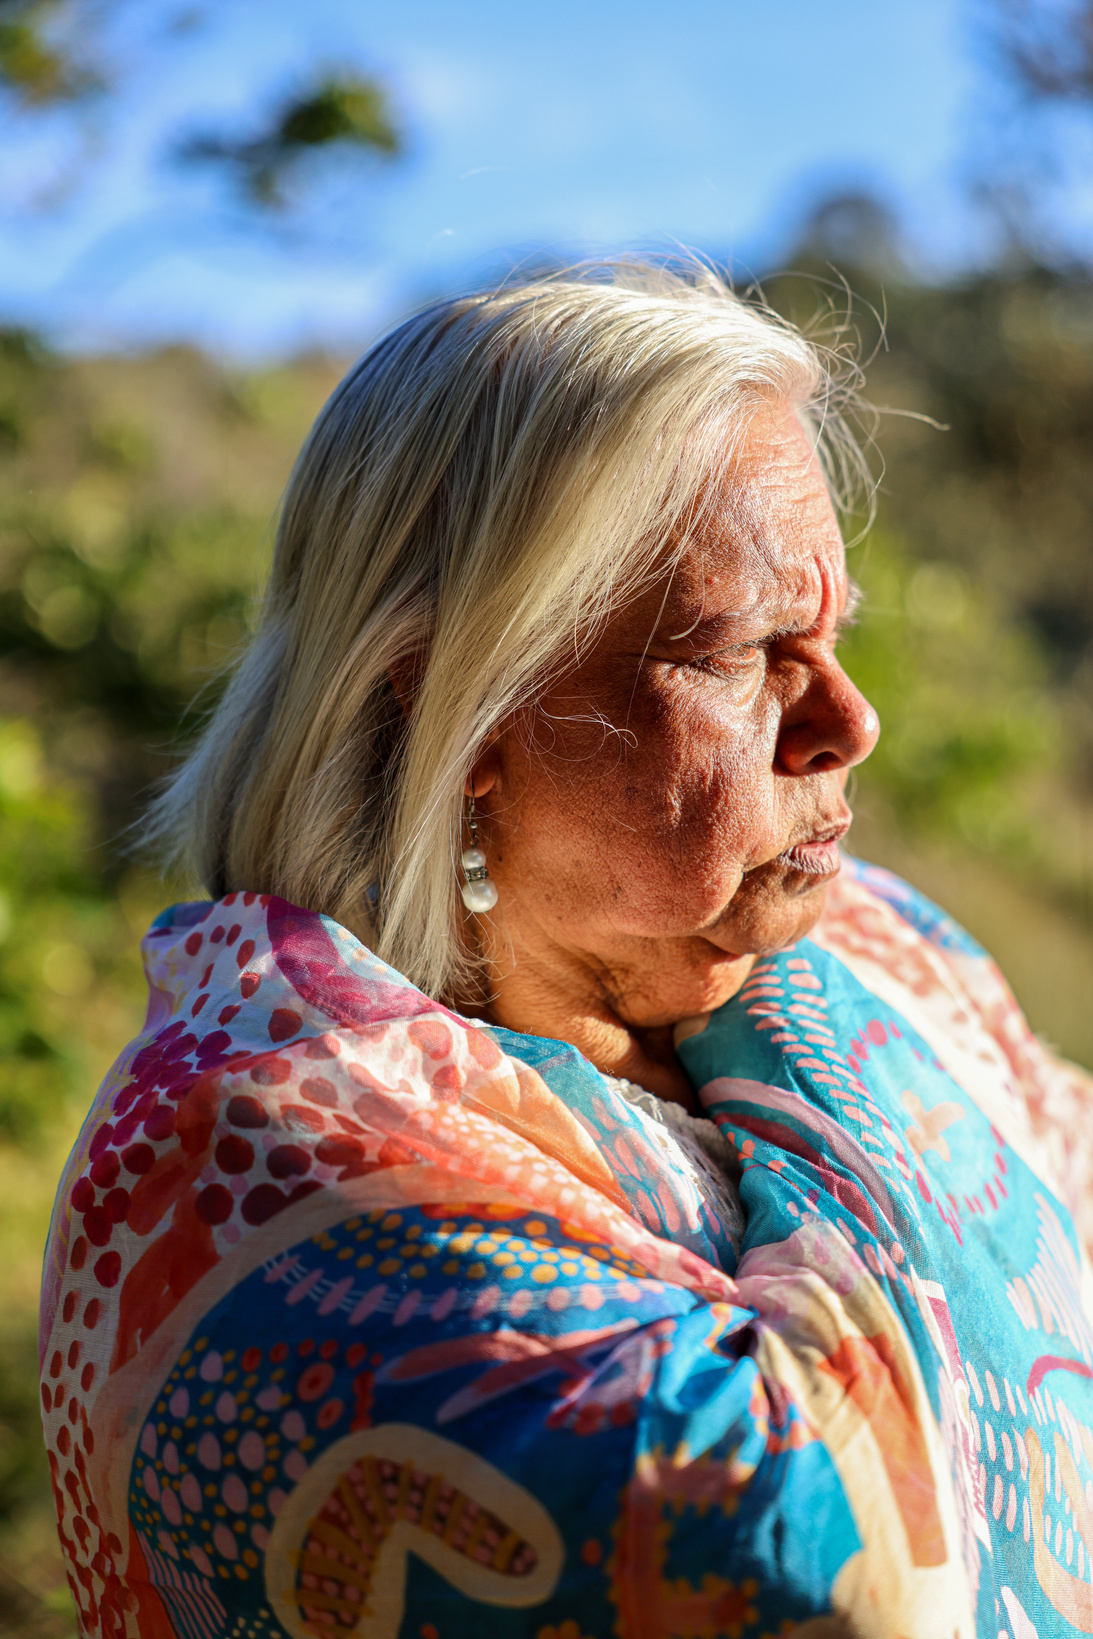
(780, 620)
(784, 623)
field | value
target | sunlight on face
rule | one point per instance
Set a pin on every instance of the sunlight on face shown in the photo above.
(676, 800)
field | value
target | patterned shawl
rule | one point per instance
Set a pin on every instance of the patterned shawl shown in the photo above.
(360, 1318)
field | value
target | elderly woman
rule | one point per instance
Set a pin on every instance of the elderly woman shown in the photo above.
(555, 1192)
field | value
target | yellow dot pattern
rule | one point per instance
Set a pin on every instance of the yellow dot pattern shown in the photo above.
(531, 1250)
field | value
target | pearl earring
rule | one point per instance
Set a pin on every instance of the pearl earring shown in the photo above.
(479, 893)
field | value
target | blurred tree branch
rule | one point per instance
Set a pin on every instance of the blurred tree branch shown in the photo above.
(1048, 48)
(48, 57)
(1029, 158)
(349, 111)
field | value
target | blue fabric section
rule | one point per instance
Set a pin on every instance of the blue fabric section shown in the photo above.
(620, 1404)
(622, 1133)
(183, 915)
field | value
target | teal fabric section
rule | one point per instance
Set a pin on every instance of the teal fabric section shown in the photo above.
(662, 1200)
(841, 1112)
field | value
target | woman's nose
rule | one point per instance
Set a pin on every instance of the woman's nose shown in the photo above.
(831, 725)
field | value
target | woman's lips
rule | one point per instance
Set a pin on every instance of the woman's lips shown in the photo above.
(819, 855)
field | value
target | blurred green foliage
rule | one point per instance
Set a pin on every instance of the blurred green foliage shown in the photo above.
(966, 720)
(134, 515)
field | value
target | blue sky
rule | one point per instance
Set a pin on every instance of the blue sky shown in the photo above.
(581, 126)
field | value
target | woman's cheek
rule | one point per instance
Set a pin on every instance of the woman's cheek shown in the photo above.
(711, 843)
(730, 761)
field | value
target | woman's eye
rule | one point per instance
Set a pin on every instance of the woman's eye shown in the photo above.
(729, 659)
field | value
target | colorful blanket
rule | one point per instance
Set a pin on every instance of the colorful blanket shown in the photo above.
(362, 1319)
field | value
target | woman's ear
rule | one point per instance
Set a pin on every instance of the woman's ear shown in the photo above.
(485, 776)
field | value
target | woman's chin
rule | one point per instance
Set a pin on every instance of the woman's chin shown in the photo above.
(769, 914)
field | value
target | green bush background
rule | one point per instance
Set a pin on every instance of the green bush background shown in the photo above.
(137, 497)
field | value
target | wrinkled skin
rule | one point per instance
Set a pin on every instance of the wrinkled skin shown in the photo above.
(637, 821)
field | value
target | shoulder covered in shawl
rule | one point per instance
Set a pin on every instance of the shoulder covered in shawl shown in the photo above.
(359, 1317)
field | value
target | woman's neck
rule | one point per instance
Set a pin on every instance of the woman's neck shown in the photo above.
(579, 1008)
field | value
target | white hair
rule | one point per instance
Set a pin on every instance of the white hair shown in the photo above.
(484, 485)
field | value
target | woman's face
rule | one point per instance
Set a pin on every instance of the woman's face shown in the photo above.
(675, 802)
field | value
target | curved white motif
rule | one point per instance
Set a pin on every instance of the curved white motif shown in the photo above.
(341, 1538)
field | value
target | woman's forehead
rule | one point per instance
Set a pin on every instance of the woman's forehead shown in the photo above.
(766, 541)
(769, 510)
